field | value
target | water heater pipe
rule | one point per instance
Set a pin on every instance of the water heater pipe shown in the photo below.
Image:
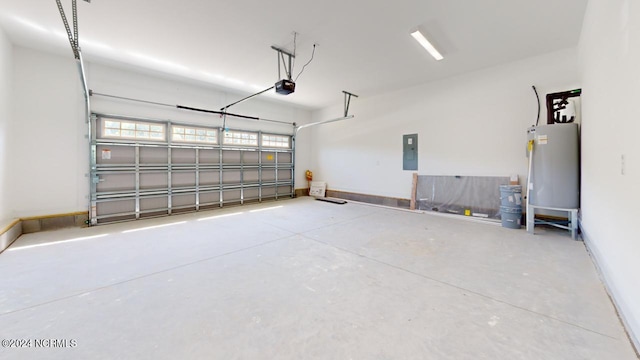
(530, 147)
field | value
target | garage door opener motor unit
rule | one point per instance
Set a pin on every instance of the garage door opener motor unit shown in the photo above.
(285, 87)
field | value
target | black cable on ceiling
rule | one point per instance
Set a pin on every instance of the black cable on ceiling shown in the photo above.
(308, 62)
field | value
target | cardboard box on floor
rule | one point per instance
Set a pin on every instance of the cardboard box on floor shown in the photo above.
(318, 188)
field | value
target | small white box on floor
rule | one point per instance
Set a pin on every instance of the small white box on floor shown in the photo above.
(318, 188)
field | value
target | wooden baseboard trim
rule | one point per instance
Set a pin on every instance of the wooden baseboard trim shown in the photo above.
(8, 227)
(77, 213)
(371, 199)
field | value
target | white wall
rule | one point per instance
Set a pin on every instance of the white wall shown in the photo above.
(6, 57)
(49, 147)
(609, 56)
(473, 124)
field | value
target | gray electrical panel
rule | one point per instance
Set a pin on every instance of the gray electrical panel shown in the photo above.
(410, 152)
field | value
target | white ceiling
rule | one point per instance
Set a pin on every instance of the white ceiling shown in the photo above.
(364, 46)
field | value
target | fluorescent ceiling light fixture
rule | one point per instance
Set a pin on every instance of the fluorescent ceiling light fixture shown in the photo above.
(427, 45)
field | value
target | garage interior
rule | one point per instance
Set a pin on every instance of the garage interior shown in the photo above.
(156, 162)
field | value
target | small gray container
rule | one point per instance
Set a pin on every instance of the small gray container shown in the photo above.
(511, 195)
(511, 217)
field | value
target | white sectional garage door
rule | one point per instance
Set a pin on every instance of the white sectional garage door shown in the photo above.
(144, 168)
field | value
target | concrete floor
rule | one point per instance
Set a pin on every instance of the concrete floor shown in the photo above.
(303, 279)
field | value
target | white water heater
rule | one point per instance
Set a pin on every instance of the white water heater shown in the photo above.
(555, 167)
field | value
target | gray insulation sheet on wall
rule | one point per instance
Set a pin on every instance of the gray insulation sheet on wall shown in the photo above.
(465, 195)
